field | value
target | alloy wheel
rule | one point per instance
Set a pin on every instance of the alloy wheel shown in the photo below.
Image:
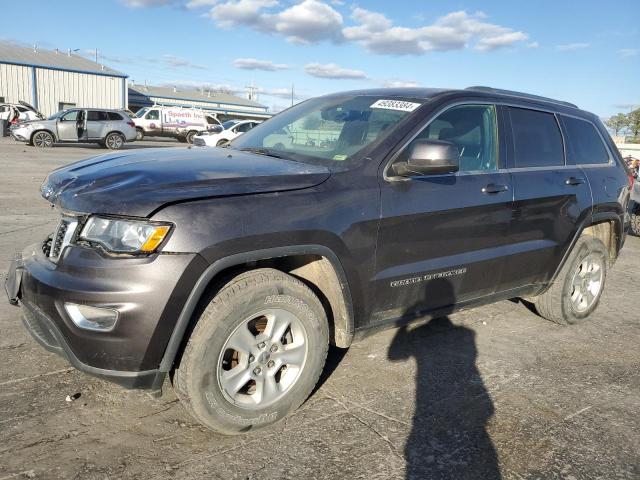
(587, 281)
(262, 359)
(42, 140)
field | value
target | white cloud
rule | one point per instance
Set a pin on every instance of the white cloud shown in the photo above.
(192, 4)
(454, 31)
(314, 21)
(284, 93)
(147, 3)
(629, 52)
(400, 84)
(178, 62)
(568, 47)
(310, 21)
(333, 71)
(254, 64)
(532, 45)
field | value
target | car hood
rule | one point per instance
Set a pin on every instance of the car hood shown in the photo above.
(140, 182)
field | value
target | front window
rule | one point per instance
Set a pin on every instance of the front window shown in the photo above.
(153, 115)
(140, 113)
(334, 131)
(71, 116)
(472, 129)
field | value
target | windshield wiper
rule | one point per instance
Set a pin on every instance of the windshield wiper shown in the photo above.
(261, 151)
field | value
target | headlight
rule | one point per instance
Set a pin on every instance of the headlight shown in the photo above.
(125, 236)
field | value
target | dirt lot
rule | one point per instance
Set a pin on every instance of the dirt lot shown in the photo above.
(494, 392)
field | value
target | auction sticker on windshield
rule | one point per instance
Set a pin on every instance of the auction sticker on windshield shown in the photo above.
(396, 105)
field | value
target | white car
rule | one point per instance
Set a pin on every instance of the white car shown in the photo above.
(230, 130)
(19, 112)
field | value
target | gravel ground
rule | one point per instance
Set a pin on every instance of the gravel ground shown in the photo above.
(493, 392)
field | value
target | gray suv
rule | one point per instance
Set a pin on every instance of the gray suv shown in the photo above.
(109, 128)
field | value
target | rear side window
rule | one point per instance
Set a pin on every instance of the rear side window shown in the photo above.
(114, 116)
(585, 145)
(537, 141)
(96, 116)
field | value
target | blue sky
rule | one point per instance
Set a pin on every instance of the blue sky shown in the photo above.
(582, 52)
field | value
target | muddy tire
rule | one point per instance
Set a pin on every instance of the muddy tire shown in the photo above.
(255, 354)
(576, 292)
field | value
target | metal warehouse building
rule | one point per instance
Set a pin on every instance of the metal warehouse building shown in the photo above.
(51, 80)
(226, 106)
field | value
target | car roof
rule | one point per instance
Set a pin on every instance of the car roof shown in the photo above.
(487, 92)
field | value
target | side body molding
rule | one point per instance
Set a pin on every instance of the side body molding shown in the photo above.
(344, 326)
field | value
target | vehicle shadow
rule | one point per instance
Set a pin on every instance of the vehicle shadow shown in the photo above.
(448, 438)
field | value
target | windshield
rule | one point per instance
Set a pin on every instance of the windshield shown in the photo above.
(228, 124)
(329, 131)
(140, 113)
(57, 115)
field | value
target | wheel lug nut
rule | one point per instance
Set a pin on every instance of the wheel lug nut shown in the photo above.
(274, 348)
(251, 358)
(261, 345)
(257, 370)
(271, 364)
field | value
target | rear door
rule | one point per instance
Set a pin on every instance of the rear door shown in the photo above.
(96, 122)
(587, 148)
(441, 236)
(550, 197)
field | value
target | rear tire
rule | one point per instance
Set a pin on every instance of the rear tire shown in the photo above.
(577, 290)
(114, 141)
(42, 139)
(635, 221)
(271, 331)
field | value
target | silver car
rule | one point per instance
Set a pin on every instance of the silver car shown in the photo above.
(109, 128)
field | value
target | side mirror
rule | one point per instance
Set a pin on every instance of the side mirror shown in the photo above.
(430, 157)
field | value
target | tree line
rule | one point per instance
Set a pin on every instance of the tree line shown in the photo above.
(625, 124)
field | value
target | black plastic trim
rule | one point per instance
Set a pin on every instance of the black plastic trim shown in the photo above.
(203, 282)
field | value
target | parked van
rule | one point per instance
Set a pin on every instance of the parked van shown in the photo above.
(177, 122)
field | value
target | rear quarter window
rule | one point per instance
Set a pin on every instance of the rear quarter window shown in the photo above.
(114, 116)
(584, 143)
(537, 140)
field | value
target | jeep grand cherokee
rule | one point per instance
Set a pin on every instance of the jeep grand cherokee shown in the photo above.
(234, 268)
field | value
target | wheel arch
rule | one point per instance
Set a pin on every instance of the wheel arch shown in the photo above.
(607, 227)
(316, 265)
(53, 134)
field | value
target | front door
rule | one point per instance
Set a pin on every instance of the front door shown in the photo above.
(550, 197)
(67, 126)
(441, 236)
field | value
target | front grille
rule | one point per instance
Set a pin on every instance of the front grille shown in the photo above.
(54, 246)
(199, 142)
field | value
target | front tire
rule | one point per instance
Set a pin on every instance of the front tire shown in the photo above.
(576, 292)
(222, 143)
(255, 354)
(139, 134)
(190, 136)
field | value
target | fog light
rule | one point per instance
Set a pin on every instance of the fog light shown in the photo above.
(92, 318)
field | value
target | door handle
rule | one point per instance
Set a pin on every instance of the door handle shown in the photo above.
(574, 181)
(493, 188)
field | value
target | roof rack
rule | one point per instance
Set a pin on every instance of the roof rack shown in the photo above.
(512, 93)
